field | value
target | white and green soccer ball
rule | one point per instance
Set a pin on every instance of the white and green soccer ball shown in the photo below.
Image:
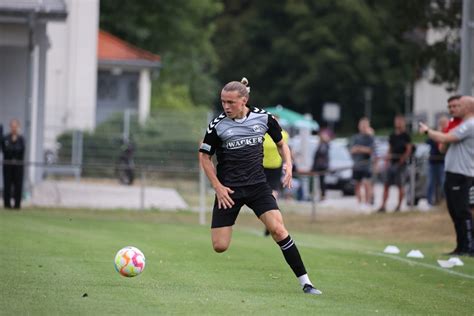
(129, 261)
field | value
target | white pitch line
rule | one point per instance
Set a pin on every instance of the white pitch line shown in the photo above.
(463, 275)
(304, 244)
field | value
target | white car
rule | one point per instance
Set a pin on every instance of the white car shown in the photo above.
(340, 162)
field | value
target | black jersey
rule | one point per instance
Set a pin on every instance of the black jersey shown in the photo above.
(238, 144)
(13, 150)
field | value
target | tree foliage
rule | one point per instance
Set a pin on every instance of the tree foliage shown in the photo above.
(299, 53)
(180, 31)
(304, 53)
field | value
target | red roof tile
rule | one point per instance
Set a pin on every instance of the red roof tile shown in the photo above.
(113, 48)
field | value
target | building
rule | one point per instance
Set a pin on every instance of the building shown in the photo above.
(124, 77)
(24, 43)
(92, 74)
(60, 72)
(429, 100)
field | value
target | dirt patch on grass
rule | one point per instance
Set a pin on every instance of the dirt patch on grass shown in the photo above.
(434, 226)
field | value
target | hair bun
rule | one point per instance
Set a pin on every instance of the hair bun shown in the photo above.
(244, 81)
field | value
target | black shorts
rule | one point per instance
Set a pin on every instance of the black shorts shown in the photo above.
(359, 175)
(395, 174)
(273, 178)
(258, 197)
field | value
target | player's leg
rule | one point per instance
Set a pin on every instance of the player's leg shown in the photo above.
(222, 222)
(275, 195)
(264, 205)
(221, 238)
(274, 223)
(274, 181)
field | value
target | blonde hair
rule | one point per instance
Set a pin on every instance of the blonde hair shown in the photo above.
(241, 87)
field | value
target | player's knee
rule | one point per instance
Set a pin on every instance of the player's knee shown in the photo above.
(279, 232)
(219, 246)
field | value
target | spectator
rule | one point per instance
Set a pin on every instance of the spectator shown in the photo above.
(361, 147)
(459, 166)
(321, 161)
(399, 151)
(13, 147)
(436, 165)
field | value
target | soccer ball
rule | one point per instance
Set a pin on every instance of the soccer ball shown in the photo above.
(129, 261)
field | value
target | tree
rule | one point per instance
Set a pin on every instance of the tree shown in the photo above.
(180, 31)
(305, 53)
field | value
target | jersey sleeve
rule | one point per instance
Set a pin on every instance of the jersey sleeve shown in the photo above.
(274, 129)
(210, 143)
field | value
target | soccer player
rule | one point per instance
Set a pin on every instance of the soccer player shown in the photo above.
(236, 137)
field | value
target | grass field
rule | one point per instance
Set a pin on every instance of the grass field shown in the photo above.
(51, 258)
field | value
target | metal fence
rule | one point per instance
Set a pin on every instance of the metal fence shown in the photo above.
(123, 164)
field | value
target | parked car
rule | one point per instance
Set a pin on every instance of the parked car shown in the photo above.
(340, 163)
(340, 167)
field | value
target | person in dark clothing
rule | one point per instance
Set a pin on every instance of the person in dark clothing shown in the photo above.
(436, 166)
(400, 148)
(361, 147)
(236, 137)
(321, 161)
(13, 147)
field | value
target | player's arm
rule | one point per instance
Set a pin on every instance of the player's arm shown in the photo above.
(206, 150)
(222, 192)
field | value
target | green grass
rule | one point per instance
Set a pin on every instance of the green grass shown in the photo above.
(51, 258)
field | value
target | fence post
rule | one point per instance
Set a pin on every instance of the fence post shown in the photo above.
(142, 188)
(313, 198)
(76, 156)
(412, 183)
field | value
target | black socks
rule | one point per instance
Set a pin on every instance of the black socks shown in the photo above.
(292, 256)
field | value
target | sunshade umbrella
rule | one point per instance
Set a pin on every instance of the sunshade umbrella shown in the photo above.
(290, 118)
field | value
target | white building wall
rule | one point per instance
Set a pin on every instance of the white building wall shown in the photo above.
(71, 74)
(429, 99)
(17, 68)
(144, 90)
